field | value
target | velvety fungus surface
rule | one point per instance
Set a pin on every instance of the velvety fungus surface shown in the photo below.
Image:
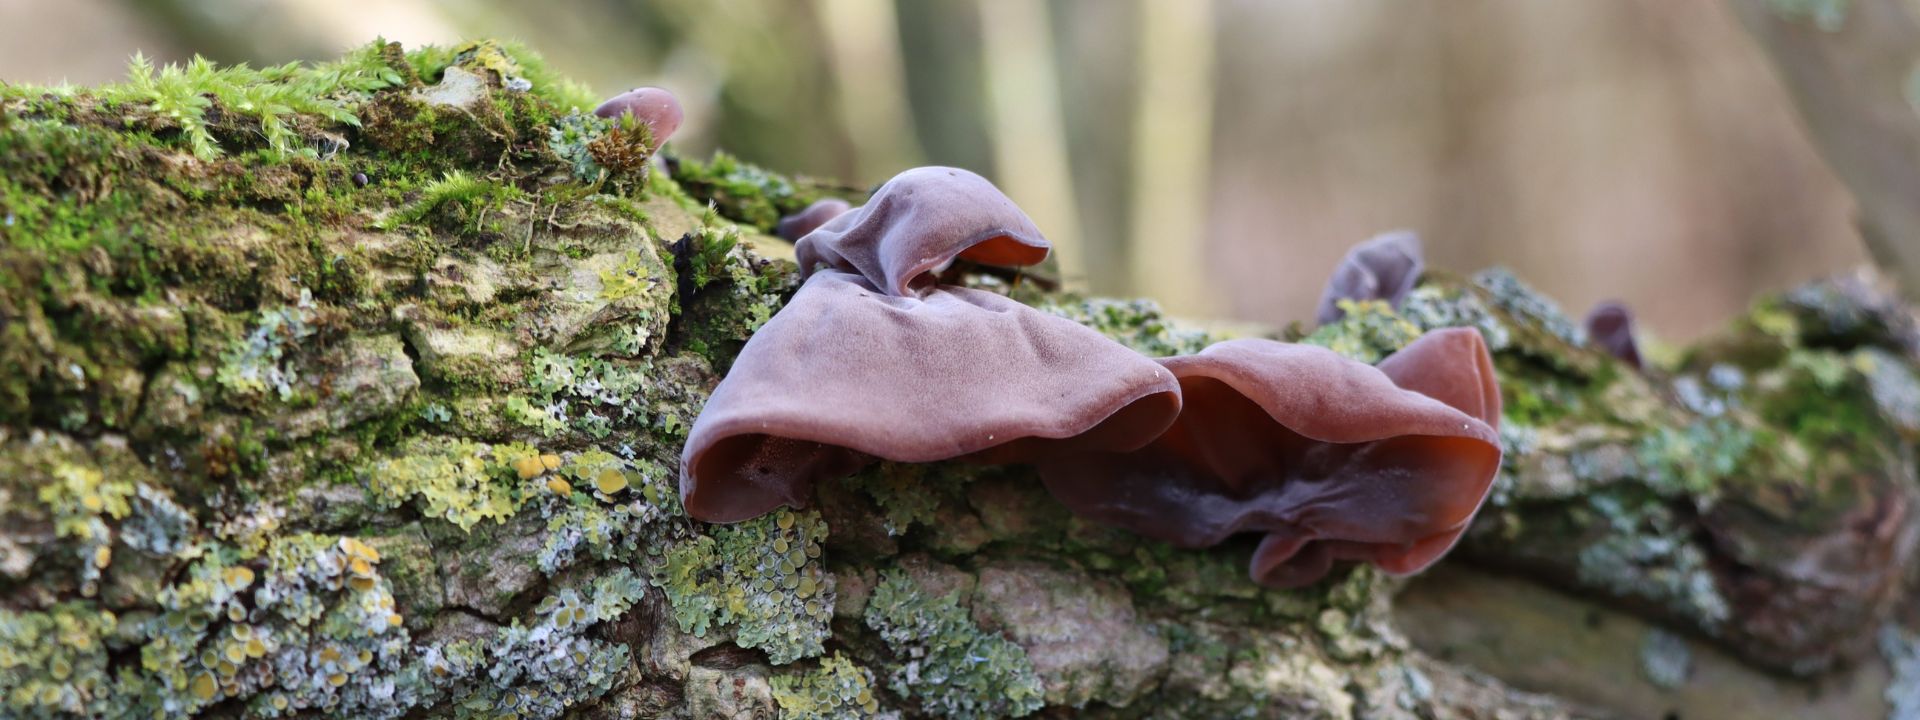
(1385, 267)
(917, 224)
(656, 107)
(798, 225)
(872, 359)
(1325, 456)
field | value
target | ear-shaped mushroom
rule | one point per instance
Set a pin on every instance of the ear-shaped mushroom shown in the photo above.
(917, 224)
(1451, 365)
(1385, 267)
(1325, 455)
(1610, 325)
(796, 226)
(860, 366)
(656, 107)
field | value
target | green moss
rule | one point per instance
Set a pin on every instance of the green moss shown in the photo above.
(742, 192)
(945, 661)
(762, 578)
(837, 688)
(455, 202)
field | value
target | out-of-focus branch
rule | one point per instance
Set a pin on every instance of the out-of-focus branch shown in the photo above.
(1029, 137)
(1849, 80)
(863, 45)
(1172, 142)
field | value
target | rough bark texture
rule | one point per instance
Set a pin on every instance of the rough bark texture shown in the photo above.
(308, 417)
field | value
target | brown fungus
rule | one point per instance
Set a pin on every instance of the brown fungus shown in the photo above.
(1327, 457)
(796, 226)
(1610, 328)
(656, 107)
(1385, 267)
(871, 359)
(917, 224)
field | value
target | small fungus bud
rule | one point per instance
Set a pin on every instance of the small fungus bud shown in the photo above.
(796, 226)
(1610, 328)
(651, 105)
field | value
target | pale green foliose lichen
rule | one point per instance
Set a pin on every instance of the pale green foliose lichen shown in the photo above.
(1368, 332)
(762, 578)
(837, 689)
(944, 660)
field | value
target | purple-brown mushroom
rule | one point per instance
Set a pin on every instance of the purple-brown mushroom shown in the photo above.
(656, 107)
(1610, 326)
(872, 360)
(796, 226)
(1385, 267)
(1325, 456)
(920, 222)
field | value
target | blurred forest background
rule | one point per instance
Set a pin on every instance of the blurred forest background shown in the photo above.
(1219, 156)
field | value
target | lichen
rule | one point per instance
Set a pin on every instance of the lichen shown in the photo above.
(763, 579)
(460, 481)
(83, 501)
(587, 395)
(54, 663)
(1368, 332)
(1665, 658)
(838, 688)
(1516, 298)
(945, 661)
(1139, 324)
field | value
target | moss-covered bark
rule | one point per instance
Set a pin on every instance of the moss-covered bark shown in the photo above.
(367, 403)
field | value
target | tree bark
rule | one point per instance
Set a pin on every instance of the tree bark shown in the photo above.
(383, 421)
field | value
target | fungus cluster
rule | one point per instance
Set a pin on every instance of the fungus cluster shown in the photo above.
(874, 358)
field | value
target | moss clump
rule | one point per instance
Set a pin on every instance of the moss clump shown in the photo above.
(945, 661)
(741, 191)
(836, 689)
(272, 100)
(456, 202)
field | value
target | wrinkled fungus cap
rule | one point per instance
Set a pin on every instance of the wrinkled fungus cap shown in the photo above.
(796, 226)
(1383, 268)
(917, 224)
(1324, 455)
(861, 366)
(1610, 325)
(651, 105)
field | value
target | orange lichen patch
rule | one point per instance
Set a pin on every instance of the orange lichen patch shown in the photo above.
(239, 576)
(560, 486)
(359, 550)
(550, 462)
(529, 467)
(102, 557)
